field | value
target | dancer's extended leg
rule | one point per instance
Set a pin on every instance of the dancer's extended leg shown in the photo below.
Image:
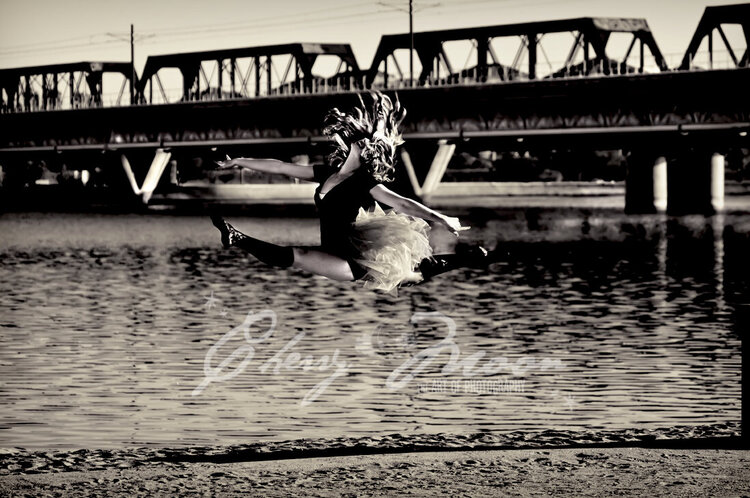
(311, 259)
(268, 253)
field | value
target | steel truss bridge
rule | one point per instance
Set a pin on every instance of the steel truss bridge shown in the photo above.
(247, 78)
(508, 93)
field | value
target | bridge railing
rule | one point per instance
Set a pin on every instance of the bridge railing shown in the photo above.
(704, 60)
(56, 103)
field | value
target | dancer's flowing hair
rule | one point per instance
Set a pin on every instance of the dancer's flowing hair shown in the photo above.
(375, 131)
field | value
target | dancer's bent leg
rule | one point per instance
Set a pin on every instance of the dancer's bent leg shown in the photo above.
(316, 260)
(311, 259)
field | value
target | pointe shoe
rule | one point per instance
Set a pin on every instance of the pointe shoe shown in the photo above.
(229, 235)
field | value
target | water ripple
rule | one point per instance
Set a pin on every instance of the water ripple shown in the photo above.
(103, 337)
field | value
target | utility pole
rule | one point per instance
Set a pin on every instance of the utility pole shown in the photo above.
(411, 43)
(133, 74)
(132, 65)
(411, 31)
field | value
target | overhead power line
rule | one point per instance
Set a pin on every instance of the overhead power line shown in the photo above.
(92, 39)
(194, 33)
(316, 17)
(260, 20)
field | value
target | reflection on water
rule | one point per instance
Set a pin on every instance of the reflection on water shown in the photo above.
(106, 322)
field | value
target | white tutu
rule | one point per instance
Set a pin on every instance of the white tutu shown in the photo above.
(390, 246)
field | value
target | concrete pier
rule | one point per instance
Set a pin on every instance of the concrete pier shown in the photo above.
(660, 184)
(717, 182)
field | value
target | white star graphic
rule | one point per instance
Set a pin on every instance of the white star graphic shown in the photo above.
(211, 301)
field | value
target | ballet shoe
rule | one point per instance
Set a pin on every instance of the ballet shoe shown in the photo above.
(229, 235)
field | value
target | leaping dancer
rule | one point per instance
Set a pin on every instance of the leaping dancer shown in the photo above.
(358, 240)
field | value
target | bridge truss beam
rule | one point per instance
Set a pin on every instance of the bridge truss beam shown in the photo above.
(590, 40)
(712, 21)
(247, 72)
(59, 86)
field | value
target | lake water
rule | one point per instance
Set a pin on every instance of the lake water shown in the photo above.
(592, 321)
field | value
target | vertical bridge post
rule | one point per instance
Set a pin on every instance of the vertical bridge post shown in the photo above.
(660, 184)
(717, 182)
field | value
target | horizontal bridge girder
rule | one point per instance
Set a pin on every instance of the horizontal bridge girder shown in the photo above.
(667, 99)
(439, 135)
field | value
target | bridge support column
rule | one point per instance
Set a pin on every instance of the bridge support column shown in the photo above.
(434, 174)
(161, 158)
(406, 158)
(717, 182)
(646, 185)
(660, 184)
(439, 165)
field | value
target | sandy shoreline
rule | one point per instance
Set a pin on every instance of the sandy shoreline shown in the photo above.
(569, 471)
(30, 461)
(707, 460)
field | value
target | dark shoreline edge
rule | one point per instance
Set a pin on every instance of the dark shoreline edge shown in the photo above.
(20, 461)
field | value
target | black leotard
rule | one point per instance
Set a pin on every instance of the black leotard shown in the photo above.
(338, 209)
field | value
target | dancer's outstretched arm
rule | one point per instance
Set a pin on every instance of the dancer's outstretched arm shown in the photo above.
(411, 207)
(269, 166)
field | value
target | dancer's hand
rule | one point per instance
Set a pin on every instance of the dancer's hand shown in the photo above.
(228, 164)
(454, 225)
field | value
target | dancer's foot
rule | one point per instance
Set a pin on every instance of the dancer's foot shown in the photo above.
(473, 256)
(465, 257)
(229, 235)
